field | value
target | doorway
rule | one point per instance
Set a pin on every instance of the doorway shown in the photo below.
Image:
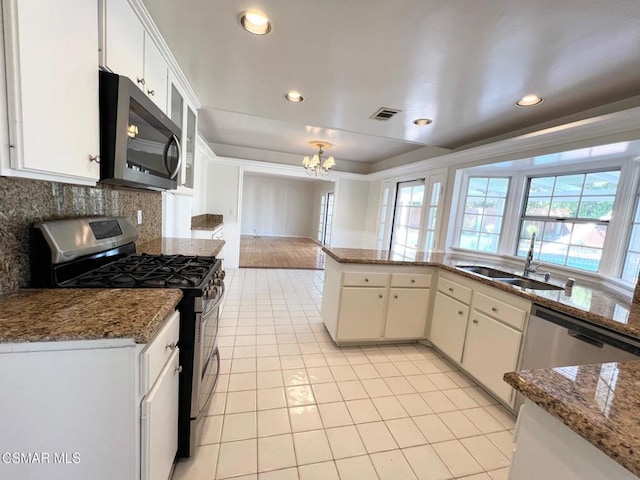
(326, 216)
(405, 233)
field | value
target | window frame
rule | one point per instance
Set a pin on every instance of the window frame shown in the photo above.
(523, 217)
(464, 190)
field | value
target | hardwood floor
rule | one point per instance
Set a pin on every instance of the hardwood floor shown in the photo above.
(280, 252)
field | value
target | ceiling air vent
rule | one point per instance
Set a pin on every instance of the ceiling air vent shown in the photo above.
(383, 114)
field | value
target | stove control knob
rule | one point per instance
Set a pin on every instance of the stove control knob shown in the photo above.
(217, 282)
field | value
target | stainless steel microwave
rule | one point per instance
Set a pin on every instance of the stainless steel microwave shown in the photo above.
(139, 144)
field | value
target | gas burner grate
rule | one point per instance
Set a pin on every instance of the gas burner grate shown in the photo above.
(148, 271)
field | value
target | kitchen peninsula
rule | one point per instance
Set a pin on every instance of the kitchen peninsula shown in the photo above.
(593, 406)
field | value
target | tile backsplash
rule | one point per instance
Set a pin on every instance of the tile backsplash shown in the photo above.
(23, 202)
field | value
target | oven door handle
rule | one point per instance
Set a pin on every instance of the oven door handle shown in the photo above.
(217, 301)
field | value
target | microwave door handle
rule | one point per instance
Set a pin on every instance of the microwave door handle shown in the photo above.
(165, 155)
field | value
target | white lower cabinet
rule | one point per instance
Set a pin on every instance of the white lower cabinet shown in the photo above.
(361, 313)
(159, 423)
(93, 409)
(367, 303)
(406, 313)
(449, 325)
(479, 328)
(491, 349)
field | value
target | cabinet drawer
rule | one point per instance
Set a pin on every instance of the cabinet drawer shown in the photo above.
(502, 311)
(364, 279)
(454, 290)
(157, 352)
(408, 280)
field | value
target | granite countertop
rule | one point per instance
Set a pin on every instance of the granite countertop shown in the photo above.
(588, 301)
(598, 402)
(211, 226)
(47, 315)
(181, 246)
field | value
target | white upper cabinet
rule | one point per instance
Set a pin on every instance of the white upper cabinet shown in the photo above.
(185, 116)
(52, 89)
(129, 50)
(124, 41)
(155, 73)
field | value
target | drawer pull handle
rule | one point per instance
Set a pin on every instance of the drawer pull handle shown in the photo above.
(395, 296)
(413, 280)
(379, 296)
(178, 369)
(170, 346)
(460, 312)
(151, 92)
(366, 279)
(140, 81)
(475, 321)
(494, 309)
(451, 289)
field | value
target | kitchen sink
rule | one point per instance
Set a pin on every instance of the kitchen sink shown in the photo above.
(528, 283)
(488, 272)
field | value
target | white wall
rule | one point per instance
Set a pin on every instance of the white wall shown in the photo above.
(176, 215)
(223, 187)
(276, 206)
(353, 226)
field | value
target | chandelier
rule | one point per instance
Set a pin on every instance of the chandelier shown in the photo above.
(315, 164)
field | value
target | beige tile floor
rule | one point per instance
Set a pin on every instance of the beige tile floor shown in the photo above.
(290, 404)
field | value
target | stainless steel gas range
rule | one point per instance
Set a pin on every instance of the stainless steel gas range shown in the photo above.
(100, 253)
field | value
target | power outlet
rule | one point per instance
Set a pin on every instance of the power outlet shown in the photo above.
(139, 217)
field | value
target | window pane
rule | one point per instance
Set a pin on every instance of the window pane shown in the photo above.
(488, 243)
(538, 207)
(412, 237)
(541, 187)
(469, 240)
(601, 183)
(634, 242)
(559, 232)
(498, 187)
(471, 222)
(475, 204)
(631, 267)
(477, 186)
(589, 235)
(491, 224)
(584, 258)
(596, 207)
(569, 185)
(417, 195)
(414, 217)
(564, 207)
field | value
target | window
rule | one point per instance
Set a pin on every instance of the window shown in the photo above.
(631, 265)
(382, 221)
(326, 215)
(483, 211)
(569, 215)
(407, 218)
(433, 199)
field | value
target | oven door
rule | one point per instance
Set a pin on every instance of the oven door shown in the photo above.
(207, 358)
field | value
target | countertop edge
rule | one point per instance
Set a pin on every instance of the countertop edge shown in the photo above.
(596, 435)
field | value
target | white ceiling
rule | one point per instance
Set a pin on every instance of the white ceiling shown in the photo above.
(462, 63)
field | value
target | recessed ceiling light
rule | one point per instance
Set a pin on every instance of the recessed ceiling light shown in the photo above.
(255, 22)
(529, 101)
(421, 122)
(294, 96)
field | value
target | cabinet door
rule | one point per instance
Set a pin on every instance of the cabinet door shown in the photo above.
(361, 313)
(407, 313)
(189, 148)
(52, 76)
(449, 325)
(124, 43)
(491, 350)
(155, 74)
(159, 423)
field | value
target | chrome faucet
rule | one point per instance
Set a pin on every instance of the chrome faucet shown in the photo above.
(528, 268)
(527, 263)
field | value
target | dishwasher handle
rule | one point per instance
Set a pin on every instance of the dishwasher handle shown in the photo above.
(584, 338)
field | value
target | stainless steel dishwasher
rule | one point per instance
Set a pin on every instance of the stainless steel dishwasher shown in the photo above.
(556, 339)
